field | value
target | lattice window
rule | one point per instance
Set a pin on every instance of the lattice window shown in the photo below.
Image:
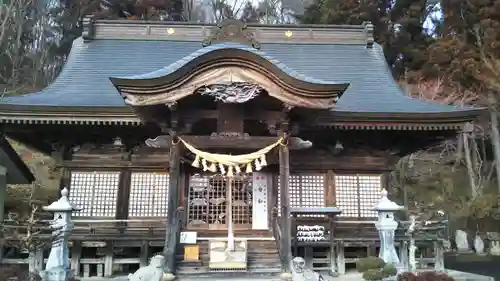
(217, 204)
(356, 195)
(306, 190)
(241, 201)
(95, 192)
(148, 195)
(208, 205)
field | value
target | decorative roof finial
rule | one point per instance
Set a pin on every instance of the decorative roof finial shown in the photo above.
(369, 34)
(231, 30)
(88, 32)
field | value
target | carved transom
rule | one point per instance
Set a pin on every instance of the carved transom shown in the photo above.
(235, 92)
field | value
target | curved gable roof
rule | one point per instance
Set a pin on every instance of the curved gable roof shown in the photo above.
(200, 56)
(84, 80)
(223, 63)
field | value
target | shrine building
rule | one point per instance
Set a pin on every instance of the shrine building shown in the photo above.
(191, 140)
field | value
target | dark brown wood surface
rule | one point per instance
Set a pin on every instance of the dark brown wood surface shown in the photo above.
(173, 218)
(286, 242)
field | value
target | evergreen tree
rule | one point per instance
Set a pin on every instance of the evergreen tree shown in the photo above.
(456, 56)
(398, 26)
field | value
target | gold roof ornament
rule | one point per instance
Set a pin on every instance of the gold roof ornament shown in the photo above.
(231, 30)
(170, 31)
(288, 34)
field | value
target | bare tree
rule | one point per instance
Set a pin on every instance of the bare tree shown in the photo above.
(28, 230)
(27, 40)
(490, 76)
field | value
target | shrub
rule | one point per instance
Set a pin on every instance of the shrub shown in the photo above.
(365, 264)
(18, 273)
(389, 270)
(425, 276)
(375, 269)
(407, 276)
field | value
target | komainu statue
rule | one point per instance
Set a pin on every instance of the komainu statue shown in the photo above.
(301, 273)
(152, 272)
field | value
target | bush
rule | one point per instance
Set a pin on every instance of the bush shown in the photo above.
(365, 264)
(375, 269)
(389, 270)
(425, 276)
(18, 273)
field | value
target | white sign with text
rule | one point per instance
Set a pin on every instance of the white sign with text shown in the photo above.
(188, 237)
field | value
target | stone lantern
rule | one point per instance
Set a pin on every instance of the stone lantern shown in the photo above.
(58, 266)
(386, 226)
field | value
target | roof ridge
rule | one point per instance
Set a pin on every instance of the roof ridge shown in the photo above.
(184, 31)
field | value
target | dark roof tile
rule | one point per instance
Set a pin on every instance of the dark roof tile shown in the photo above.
(84, 80)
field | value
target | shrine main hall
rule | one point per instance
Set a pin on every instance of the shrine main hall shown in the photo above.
(196, 140)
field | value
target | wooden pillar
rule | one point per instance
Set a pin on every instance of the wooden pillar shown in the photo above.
(122, 204)
(333, 254)
(173, 220)
(286, 242)
(340, 257)
(76, 253)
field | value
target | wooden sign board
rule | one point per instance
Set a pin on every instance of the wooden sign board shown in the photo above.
(191, 252)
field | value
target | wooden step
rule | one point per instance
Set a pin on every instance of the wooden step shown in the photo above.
(262, 260)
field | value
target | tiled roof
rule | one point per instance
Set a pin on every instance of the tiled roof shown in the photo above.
(84, 81)
(228, 45)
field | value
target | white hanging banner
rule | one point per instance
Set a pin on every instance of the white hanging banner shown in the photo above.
(260, 217)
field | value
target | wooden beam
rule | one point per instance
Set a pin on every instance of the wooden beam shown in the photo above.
(198, 114)
(173, 220)
(221, 142)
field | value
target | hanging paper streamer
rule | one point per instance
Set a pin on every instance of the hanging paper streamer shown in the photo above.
(230, 164)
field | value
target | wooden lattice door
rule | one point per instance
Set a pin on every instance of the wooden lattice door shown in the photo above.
(209, 206)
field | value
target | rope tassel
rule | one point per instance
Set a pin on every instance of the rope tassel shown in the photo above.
(222, 170)
(212, 168)
(249, 168)
(196, 162)
(204, 164)
(263, 161)
(258, 167)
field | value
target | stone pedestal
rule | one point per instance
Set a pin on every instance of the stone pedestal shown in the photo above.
(57, 274)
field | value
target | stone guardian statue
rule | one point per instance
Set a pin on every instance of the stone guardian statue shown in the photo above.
(152, 272)
(300, 272)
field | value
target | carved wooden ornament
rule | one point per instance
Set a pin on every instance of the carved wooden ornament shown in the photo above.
(231, 30)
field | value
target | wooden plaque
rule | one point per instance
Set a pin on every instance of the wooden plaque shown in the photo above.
(191, 252)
